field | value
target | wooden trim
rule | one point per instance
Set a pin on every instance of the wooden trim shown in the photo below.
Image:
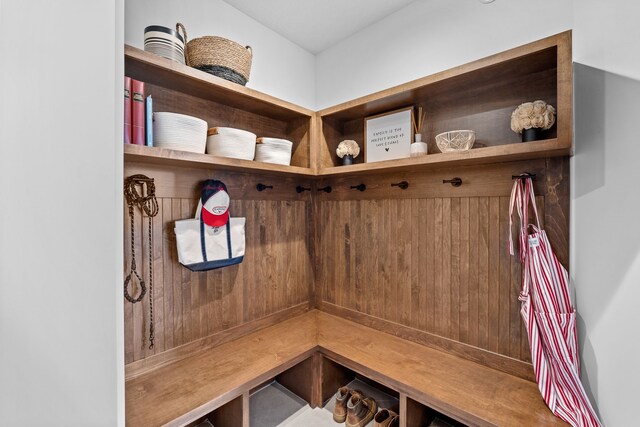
(143, 366)
(493, 360)
(315, 132)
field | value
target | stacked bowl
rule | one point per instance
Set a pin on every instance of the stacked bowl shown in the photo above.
(274, 150)
(165, 42)
(179, 132)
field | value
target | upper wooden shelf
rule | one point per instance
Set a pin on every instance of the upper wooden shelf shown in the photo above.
(163, 72)
(514, 64)
(166, 157)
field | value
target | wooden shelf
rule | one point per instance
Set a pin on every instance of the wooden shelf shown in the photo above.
(485, 155)
(169, 158)
(160, 71)
(479, 95)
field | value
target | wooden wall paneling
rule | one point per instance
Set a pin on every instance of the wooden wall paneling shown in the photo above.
(415, 294)
(493, 305)
(505, 296)
(464, 277)
(469, 280)
(431, 263)
(158, 284)
(474, 279)
(454, 268)
(190, 306)
(556, 205)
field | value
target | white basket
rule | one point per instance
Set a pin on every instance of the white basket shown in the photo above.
(179, 132)
(274, 150)
(230, 142)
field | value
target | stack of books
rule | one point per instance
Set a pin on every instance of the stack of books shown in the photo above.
(138, 114)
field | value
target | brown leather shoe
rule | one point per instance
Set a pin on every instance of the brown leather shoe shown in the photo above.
(340, 411)
(360, 410)
(384, 418)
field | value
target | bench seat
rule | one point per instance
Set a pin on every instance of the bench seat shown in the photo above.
(183, 391)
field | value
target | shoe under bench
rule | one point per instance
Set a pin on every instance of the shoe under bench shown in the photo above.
(315, 353)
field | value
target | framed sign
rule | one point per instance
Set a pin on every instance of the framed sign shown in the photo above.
(388, 136)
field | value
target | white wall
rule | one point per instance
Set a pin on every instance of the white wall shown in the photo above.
(605, 237)
(429, 36)
(280, 67)
(61, 311)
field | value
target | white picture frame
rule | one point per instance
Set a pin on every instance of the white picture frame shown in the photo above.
(388, 136)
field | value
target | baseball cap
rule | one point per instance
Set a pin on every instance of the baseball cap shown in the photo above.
(215, 203)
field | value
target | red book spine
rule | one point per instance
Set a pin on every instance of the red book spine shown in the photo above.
(137, 112)
(127, 110)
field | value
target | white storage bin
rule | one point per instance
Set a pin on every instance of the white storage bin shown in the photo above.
(274, 150)
(230, 142)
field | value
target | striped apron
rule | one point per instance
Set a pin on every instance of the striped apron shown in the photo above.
(549, 315)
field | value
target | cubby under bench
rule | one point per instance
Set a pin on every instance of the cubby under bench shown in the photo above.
(315, 353)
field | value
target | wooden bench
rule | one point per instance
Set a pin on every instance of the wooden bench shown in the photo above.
(298, 348)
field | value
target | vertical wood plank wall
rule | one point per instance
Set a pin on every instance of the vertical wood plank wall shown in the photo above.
(271, 283)
(431, 263)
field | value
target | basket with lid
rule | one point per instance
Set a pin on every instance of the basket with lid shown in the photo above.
(218, 56)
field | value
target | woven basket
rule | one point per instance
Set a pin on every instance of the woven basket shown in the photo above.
(218, 56)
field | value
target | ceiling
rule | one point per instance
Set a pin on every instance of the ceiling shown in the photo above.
(316, 25)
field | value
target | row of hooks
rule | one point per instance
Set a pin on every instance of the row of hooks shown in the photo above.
(403, 185)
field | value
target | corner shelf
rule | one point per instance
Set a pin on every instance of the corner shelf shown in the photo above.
(479, 95)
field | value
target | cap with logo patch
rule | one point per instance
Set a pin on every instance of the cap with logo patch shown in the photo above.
(215, 203)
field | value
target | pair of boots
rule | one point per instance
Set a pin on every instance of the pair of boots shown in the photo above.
(354, 408)
(386, 418)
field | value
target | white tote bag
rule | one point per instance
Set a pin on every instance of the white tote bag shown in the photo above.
(202, 247)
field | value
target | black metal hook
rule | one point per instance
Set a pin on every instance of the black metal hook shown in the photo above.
(326, 189)
(402, 184)
(525, 176)
(359, 187)
(262, 187)
(456, 182)
(300, 189)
